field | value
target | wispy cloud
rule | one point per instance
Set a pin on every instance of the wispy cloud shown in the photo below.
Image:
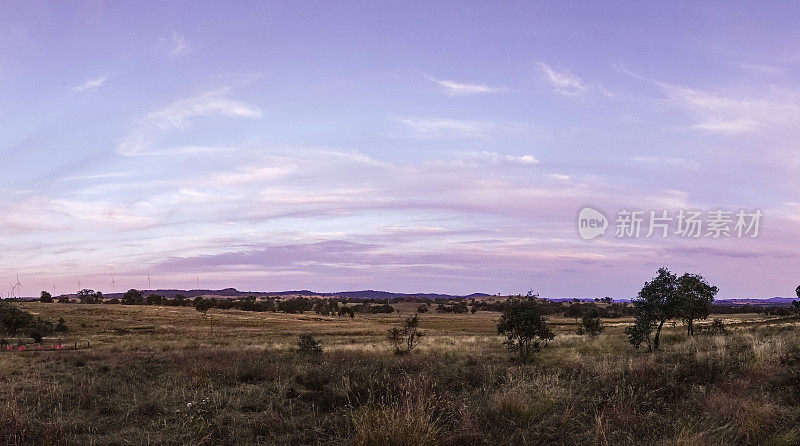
(567, 84)
(178, 116)
(456, 88)
(727, 114)
(175, 44)
(730, 111)
(667, 161)
(90, 85)
(758, 68)
(441, 128)
(498, 158)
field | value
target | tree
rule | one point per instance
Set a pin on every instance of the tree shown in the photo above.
(405, 337)
(590, 323)
(797, 291)
(655, 304)
(574, 310)
(422, 308)
(524, 327)
(154, 299)
(639, 333)
(695, 296)
(45, 297)
(12, 319)
(88, 296)
(132, 297)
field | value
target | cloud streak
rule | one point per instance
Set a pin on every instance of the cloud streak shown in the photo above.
(456, 88)
(443, 128)
(180, 115)
(567, 84)
(90, 85)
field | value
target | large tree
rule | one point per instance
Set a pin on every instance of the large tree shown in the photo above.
(655, 304)
(695, 296)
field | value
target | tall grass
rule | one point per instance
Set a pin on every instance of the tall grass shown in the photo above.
(737, 388)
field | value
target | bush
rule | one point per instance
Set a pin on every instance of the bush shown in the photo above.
(524, 327)
(591, 324)
(308, 345)
(61, 327)
(405, 338)
(12, 319)
(39, 329)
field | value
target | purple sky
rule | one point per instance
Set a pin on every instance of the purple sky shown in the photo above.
(430, 146)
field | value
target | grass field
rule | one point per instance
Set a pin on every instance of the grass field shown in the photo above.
(159, 375)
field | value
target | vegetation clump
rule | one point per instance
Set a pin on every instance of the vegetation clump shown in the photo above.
(667, 297)
(308, 345)
(590, 323)
(405, 337)
(524, 327)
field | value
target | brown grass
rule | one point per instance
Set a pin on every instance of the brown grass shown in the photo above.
(156, 375)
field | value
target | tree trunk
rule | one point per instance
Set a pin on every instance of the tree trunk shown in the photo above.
(656, 340)
(690, 328)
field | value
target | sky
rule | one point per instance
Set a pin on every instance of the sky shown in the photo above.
(401, 146)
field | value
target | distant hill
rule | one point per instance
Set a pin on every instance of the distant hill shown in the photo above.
(234, 293)
(388, 295)
(772, 301)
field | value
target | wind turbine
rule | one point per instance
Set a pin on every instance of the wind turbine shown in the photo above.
(79, 283)
(18, 285)
(113, 285)
(148, 282)
(198, 282)
(11, 294)
(54, 288)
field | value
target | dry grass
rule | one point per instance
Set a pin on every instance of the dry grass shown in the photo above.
(164, 378)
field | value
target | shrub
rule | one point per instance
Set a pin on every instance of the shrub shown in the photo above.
(524, 327)
(12, 319)
(404, 338)
(39, 329)
(308, 345)
(61, 327)
(591, 324)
